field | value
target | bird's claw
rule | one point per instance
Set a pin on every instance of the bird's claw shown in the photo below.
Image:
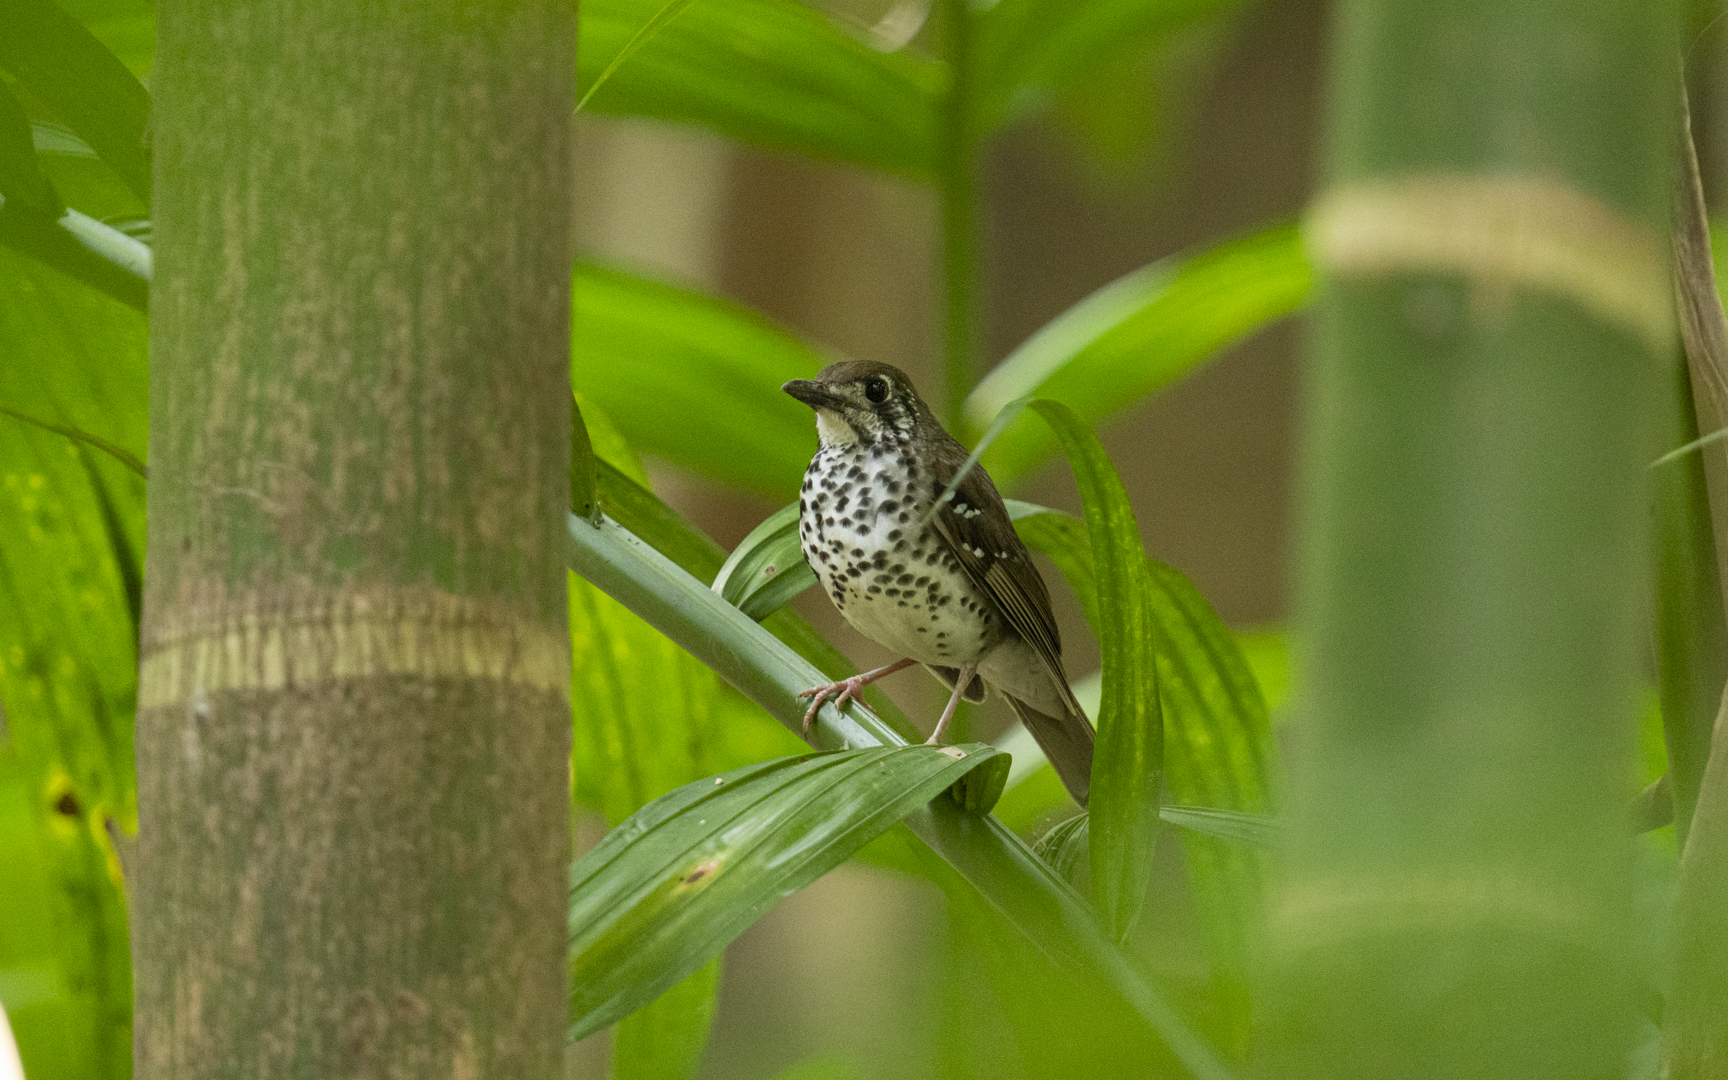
(839, 692)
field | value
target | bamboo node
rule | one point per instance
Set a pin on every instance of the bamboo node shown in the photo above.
(247, 644)
(1500, 232)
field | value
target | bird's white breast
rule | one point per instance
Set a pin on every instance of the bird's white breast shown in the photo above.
(858, 515)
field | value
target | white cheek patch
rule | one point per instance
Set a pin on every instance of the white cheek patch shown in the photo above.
(832, 430)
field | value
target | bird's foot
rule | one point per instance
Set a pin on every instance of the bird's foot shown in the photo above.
(838, 692)
(845, 690)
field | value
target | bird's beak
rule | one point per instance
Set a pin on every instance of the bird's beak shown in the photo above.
(815, 395)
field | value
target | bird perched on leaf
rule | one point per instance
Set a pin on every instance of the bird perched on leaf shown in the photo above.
(935, 574)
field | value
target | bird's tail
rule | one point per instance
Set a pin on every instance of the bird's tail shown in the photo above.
(1066, 741)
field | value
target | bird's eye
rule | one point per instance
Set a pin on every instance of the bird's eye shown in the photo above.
(876, 390)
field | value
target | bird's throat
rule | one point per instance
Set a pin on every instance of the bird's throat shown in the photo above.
(833, 431)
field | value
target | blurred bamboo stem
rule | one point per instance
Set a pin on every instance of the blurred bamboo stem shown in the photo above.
(1482, 384)
(961, 265)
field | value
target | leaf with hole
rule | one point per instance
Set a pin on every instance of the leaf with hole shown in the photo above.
(668, 889)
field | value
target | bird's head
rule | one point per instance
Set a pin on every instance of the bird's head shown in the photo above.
(858, 402)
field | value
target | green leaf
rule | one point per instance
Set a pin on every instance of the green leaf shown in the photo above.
(1025, 48)
(22, 184)
(71, 541)
(668, 889)
(1261, 830)
(86, 86)
(1015, 882)
(1218, 747)
(767, 568)
(1066, 847)
(1137, 335)
(1128, 765)
(645, 352)
(770, 72)
(85, 250)
(584, 470)
(664, 1039)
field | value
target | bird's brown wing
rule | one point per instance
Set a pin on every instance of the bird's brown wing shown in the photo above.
(976, 527)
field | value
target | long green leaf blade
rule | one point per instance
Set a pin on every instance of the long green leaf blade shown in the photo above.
(668, 889)
(769, 72)
(1218, 749)
(88, 88)
(1129, 762)
(1137, 335)
(645, 351)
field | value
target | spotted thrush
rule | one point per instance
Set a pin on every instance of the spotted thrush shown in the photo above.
(952, 588)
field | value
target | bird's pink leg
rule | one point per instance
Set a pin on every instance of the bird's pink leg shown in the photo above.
(960, 686)
(845, 690)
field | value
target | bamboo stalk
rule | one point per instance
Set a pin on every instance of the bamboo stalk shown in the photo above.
(353, 726)
(1482, 386)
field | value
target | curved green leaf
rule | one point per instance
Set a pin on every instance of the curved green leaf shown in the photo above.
(645, 351)
(992, 859)
(87, 87)
(1128, 765)
(769, 72)
(1218, 747)
(1137, 335)
(1026, 48)
(767, 568)
(21, 179)
(668, 889)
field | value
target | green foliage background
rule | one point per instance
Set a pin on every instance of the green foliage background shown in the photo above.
(660, 369)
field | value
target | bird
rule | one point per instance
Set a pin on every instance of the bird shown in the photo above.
(931, 569)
